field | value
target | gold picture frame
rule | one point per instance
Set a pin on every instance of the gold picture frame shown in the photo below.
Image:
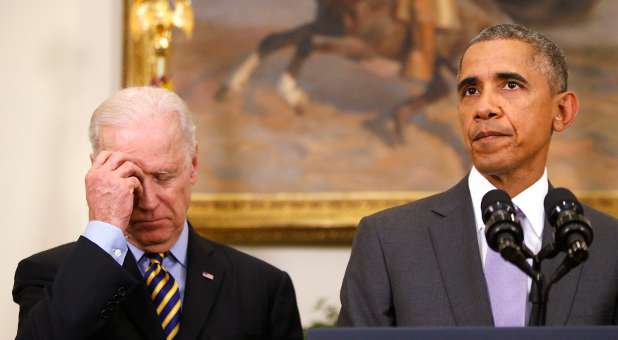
(323, 218)
(311, 218)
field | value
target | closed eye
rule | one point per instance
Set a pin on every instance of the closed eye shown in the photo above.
(165, 176)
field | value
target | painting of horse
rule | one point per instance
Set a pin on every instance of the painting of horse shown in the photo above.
(358, 95)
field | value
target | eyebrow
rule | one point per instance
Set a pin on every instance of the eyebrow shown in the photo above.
(467, 82)
(470, 81)
(165, 172)
(512, 75)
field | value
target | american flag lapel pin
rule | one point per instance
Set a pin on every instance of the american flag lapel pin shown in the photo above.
(208, 275)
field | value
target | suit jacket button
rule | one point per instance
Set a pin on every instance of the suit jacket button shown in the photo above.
(121, 291)
(105, 313)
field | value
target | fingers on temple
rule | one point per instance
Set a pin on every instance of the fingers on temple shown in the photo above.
(116, 160)
(101, 158)
(135, 185)
(128, 169)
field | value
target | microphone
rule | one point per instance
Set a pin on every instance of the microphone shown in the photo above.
(572, 230)
(503, 231)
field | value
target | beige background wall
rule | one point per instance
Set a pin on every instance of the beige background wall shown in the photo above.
(58, 60)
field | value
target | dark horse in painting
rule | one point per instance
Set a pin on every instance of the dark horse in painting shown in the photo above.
(365, 29)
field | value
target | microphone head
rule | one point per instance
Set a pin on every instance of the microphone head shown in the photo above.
(502, 227)
(491, 198)
(559, 199)
(573, 233)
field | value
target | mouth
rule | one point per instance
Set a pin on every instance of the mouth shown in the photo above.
(487, 135)
(149, 222)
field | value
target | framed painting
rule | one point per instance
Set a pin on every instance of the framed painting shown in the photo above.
(313, 113)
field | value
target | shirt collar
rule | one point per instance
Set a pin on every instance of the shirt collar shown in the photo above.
(529, 201)
(178, 250)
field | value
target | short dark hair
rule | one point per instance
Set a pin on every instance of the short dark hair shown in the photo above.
(553, 63)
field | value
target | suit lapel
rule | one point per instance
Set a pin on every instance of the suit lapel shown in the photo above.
(456, 246)
(138, 305)
(204, 278)
(562, 294)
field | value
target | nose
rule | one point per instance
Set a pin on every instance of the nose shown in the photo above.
(148, 199)
(487, 107)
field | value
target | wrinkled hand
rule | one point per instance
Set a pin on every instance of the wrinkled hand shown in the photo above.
(112, 184)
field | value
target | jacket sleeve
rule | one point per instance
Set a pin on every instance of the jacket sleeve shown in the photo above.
(71, 300)
(366, 299)
(284, 316)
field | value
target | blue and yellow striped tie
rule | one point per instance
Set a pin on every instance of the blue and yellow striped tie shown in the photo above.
(164, 294)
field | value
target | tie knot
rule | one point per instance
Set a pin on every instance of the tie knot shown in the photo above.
(519, 213)
(156, 257)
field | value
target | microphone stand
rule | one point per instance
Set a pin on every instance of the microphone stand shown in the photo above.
(539, 291)
(540, 288)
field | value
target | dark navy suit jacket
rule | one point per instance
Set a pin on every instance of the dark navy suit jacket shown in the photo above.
(77, 291)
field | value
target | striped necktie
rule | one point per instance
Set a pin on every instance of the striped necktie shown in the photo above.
(164, 294)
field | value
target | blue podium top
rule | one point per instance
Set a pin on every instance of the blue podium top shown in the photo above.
(466, 333)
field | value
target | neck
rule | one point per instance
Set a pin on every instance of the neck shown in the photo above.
(515, 182)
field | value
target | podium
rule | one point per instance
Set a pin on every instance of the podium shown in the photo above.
(466, 333)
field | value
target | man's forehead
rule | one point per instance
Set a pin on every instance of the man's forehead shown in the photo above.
(163, 129)
(153, 150)
(488, 58)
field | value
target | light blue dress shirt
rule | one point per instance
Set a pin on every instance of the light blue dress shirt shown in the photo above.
(111, 239)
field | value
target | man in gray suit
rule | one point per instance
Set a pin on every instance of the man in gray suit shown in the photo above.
(427, 263)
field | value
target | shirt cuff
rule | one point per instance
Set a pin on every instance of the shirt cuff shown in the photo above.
(109, 238)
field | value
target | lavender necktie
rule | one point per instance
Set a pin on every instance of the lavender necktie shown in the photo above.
(507, 285)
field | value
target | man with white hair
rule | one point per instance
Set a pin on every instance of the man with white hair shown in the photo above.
(139, 270)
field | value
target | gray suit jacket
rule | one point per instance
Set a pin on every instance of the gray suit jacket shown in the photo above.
(419, 265)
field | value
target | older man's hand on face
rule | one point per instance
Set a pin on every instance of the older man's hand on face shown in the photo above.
(112, 185)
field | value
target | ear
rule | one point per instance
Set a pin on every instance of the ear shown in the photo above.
(565, 110)
(194, 162)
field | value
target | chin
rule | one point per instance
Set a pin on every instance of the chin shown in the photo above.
(155, 243)
(490, 165)
(156, 238)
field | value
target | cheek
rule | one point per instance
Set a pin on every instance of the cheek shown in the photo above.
(168, 196)
(539, 120)
(180, 197)
(531, 134)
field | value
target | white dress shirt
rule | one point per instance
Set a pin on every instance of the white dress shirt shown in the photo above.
(529, 201)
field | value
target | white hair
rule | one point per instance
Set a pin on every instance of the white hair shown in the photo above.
(134, 104)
